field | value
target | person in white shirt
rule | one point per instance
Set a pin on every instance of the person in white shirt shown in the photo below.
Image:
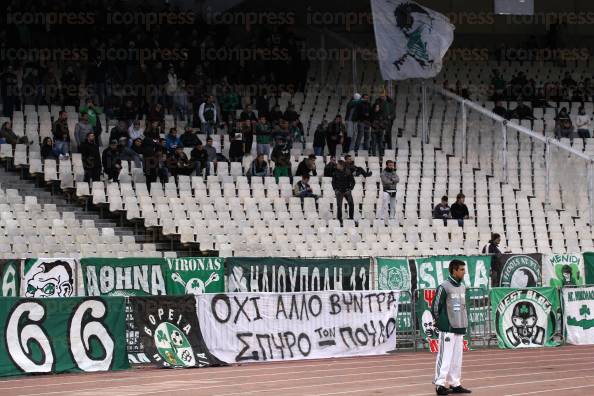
(208, 116)
(582, 123)
(135, 131)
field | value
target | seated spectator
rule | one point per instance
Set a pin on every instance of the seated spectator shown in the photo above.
(172, 140)
(178, 163)
(281, 168)
(236, 148)
(82, 129)
(154, 130)
(302, 188)
(355, 170)
(247, 114)
(8, 134)
(493, 246)
(330, 167)
(135, 131)
(157, 114)
(189, 137)
(389, 180)
(582, 123)
(459, 210)
(129, 155)
(259, 167)
(319, 141)
(129, 111)
(522, 112)
(48, 151)
(137, 147)
(307, 166)
(199, 157)
(500, 110)
(442, 210)
(112, 165)
(61, 133)
(562, 115)
(119, 131)
(263, 132)
(564, 129)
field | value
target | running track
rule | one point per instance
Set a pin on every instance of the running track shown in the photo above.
(568, 370)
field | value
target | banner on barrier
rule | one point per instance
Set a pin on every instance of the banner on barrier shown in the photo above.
(62, 335)
(255, 274)
(49, 277)
(10, 278)
(257, 327)
(393, 274)
(151, 276)
(428, 331)
(169, 331)
(517, 270)
(589, 267)
(525, 318)
(560, 270)
(578, 315)
(432, 271)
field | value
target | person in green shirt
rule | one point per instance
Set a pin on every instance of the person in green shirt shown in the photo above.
(229, 102)
(263, 132)
(93, 113)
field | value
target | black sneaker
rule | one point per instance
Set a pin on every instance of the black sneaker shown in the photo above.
(442, 390)
(459, 389)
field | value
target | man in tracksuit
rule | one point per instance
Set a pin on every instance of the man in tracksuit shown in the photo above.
(449, 313)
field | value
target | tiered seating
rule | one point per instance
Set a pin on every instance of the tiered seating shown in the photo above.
(30, 229)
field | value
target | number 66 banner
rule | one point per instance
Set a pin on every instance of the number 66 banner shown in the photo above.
(239, 327)
(60, 335)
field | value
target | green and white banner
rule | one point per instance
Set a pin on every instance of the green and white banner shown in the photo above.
(578, 315)
(62, 335)
(151, 276)
(517, 270)
(10, 278)
(432, 271)
(525, 318)
(255, 274)
(49, 277)
(560, 270)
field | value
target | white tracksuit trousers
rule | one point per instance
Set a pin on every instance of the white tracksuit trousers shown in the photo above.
(448, 367)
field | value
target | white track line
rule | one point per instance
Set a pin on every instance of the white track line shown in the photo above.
(551, 390)
(276, 366)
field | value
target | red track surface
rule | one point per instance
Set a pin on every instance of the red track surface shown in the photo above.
(563, 371)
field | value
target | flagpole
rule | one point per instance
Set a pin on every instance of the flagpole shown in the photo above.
(424, 131)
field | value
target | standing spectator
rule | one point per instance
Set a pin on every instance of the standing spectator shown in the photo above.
(172, 140)
(208, 116)
(336, 133)
(500, 110)
(276, 115)
(442, 210)
(229, 102)
(151, 159)
(493, 246)
(378, 124)
(263, 133)
(389, 180)
(307, 166)
(302, 188)
(330, 167)
(135, 131)
(343, 183)
(319, 140)
(363, 124)
(129, 112)
(199, 157)
(91, 158)
(61, 133)
(297, 134)
(389, 110)
(459, 210)
(156, 116)
(93, 113)
(180, 102)
(48, 151)
(211, 152)
(352, 118)
(189, 138)
(263, 103)
(8, 134)
(170, 87)
(259, 167)
(82, 129)
(582, 123)
(247, 114)
(112, 165)
(247, 132)
(283, 133)
(119, 131)
(236, 148)
(281, 151)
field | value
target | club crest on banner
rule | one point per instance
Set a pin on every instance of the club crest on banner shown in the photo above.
(394, 278)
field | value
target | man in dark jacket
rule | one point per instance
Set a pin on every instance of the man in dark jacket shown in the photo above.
(91, 158)
(459, 210)
(199, 157)
(61, 133)
(493, 246)
(330, 167)
(442, 210)
(364, 116)
(320, 138)
(119, 131)
(307, 166)
(189, 138)
(112, 164)
(336, 133)
(448, 309)
(343, 183)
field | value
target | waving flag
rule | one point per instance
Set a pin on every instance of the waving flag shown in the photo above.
(411, 39)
